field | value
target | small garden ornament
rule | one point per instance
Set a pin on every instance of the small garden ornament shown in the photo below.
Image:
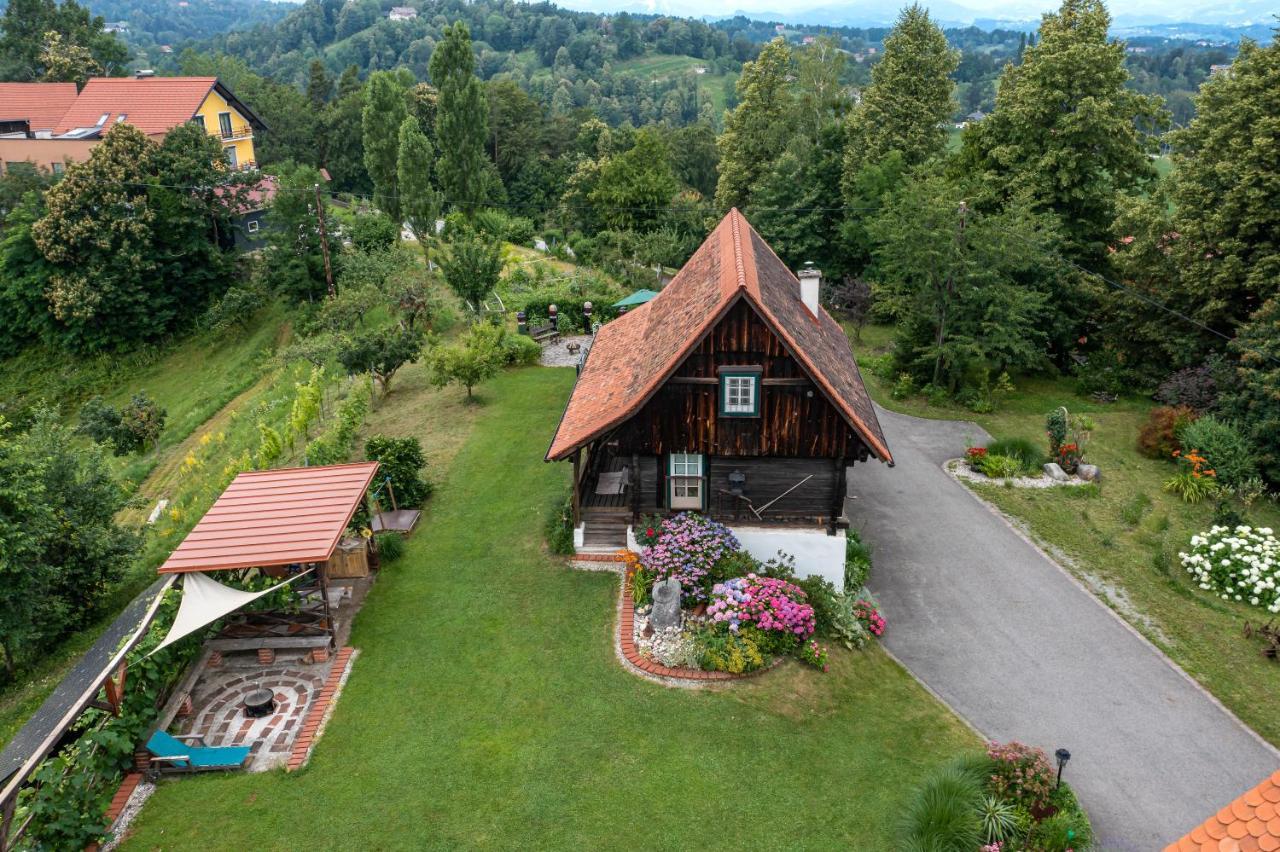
(666, 604)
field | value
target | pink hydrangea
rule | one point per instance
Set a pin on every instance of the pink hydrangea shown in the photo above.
(765, 603)
(688, 545)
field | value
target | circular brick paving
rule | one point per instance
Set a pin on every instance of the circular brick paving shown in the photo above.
(221, 718)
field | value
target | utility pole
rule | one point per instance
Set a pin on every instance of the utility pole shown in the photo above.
(324, 243)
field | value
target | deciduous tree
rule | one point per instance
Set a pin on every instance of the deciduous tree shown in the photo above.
(461, 121)
(384, 112)
(757, 129)
(419, 198)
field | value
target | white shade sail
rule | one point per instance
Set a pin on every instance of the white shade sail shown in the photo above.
(205, 600)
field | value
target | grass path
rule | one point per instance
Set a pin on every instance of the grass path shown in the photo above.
(487, 708)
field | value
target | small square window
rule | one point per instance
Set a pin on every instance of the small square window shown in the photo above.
(740, 394)
(251, 226)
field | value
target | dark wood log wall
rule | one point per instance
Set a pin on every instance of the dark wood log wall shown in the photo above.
(795, 417)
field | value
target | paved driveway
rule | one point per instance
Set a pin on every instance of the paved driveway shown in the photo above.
(1022, 652)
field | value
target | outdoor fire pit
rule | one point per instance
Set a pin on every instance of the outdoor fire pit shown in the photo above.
(259, 703)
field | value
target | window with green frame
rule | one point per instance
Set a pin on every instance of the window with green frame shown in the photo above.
(740, 393)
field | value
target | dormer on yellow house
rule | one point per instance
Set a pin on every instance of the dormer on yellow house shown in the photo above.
(154, 105)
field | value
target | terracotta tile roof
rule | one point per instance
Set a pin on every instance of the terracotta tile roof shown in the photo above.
(274, 517)
(1249, 824)
(154, 105)
(41, 105)
(633, 355)
(256, 197)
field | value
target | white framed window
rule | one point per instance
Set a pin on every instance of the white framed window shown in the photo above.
(251, 226)
(740, 392)
(685, 480)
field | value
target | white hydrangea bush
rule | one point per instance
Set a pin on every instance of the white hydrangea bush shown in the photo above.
(1241, 564)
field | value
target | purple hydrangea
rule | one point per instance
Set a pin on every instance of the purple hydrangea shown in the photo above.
(688, 545)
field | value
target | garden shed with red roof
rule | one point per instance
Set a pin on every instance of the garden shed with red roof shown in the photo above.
(732, 392)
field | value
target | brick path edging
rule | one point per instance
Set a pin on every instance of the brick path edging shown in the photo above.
(653, 670)
(318, 713)
(127, 785)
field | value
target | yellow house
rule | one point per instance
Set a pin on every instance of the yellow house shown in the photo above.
(156, 105)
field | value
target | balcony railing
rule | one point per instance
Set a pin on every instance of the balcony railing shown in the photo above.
(244, 132)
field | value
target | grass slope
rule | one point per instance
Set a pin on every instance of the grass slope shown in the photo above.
(488, 709)
(1122, 540)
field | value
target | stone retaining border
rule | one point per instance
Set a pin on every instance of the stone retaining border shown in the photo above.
(318, 714)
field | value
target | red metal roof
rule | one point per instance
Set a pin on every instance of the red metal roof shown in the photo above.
(154, 105)
(274, 517)
(634, 354)
(41, 105)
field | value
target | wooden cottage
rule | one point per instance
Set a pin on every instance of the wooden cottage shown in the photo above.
(731, 393)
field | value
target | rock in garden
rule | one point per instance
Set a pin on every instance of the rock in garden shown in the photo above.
(1055, 472)
(1089, 473)
(666, 604)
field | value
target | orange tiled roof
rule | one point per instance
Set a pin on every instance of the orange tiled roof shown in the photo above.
(41, 105)
(154, 105)
(1249, 824)
(633, 355)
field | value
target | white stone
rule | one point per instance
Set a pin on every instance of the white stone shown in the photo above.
(1055, 472)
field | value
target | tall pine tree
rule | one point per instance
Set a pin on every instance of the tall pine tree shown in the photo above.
(758, 128)
(462, 125)
(384, 112)
(909, 99)
(419, 199)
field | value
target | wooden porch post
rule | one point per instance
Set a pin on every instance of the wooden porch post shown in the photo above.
(837, 498)
(577, 493)
(323, 569)
(6, 820)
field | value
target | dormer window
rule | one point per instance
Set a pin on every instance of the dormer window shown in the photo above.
(740, 391)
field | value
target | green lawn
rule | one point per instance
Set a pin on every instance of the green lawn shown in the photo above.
(1122, 540)
(487, 707)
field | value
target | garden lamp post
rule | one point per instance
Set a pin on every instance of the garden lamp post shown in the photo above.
(586, 317)
(1063, 756)
(553, 316)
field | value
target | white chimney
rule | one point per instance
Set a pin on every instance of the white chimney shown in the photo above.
(810, 286)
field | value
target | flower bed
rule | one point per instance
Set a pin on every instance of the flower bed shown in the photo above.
(738, 614)
(1240, 564)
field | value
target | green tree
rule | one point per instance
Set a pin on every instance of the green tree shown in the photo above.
(757, 129)
(695, 158)
(909, 99)
(472, 266)
(1254, 401)
(1225, 189)
(24, 31)
(381, 353)
(966, 284)
(296, 269)
(131, 256)
(1068, 130)
(63, 550)
(67, 62)
(461, 121)
(419, 198)
(24, 279)
(793, 202)
(477, 358)
(384, 112)
(821, 96)
(319, 85)
(633, 190)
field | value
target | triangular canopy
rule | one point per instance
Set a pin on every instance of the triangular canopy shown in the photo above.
(639, 297)
(205, 600)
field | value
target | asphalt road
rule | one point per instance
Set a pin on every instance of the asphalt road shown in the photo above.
(1021, 651)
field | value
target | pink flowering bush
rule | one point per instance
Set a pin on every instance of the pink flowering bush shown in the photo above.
(869, 616)
(1021, 774)
(687, 546)
(814, 654)
(767, 604)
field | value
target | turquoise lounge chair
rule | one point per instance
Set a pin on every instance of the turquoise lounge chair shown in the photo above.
(171, 754)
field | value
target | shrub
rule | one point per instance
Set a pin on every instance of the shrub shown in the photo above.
(813, 654)
(390, 546)
(1021, 774)
(1026, 452)
(765, 603)
(1225, 448)
(903, 387)
(1064, 831)
(131, 428)
(401, 461)
(519, 350)
(1194, 387)
(374, 232)
(1055, 426)
(944, 816)
(1000, 467)
(857, 563)
(646, 530)
(1158, 437)
(688, 545)
(1001, 821)
(1196, 481)
(559, 527)
(729, 652)
(1240, 564)
(867, 613)
(234, 309)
